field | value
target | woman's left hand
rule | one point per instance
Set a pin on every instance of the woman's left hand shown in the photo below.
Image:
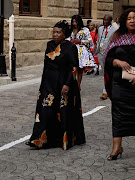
(64, 90)
(133, 81)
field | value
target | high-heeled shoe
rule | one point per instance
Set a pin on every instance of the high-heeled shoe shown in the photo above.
(32, 146)
(114, 157)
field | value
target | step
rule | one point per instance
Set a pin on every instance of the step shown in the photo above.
(5, 80)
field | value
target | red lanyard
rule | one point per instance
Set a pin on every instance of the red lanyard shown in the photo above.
(106, 32)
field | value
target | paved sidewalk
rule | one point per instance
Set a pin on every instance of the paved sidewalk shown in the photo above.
(86, 162)
(23, 74)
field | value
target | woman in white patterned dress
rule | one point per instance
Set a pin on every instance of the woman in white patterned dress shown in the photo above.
(81, 37)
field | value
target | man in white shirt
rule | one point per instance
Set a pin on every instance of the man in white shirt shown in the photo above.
(116, 23)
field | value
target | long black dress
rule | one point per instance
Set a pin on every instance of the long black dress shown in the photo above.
(58, 118)
(123, 92)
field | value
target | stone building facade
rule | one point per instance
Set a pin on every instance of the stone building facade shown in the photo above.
(32, 31)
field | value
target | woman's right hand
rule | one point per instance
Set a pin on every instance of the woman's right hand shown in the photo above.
(122, 64)
(65, 90)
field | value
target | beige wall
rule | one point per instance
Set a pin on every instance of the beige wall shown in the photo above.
(62, 8)
(54, 8)
(59, 8)
(32, 33)
(16, 6)
(117, 9)
(100, 8)
(104, 7)
(94, 9)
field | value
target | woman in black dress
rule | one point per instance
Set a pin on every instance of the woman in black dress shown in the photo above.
(120, 55)
(58, 117)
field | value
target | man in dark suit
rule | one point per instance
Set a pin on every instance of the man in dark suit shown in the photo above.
(104, 34)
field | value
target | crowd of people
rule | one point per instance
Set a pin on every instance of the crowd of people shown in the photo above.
(58, 116)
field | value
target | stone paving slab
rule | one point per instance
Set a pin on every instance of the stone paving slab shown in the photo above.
(85, 162)
(5, 80)
(23, 74)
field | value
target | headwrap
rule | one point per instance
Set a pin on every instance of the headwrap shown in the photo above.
(123, 40)
(64, 26)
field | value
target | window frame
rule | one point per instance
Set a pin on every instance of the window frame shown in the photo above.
(31, 13)
(90, 7)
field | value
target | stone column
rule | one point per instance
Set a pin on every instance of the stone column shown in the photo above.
(104, 7)
(16, 6)
(62, 8)
(117, 9)
(94, 9)
(44, 8)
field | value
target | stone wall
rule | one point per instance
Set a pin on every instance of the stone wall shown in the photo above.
(62, 8)
(100, 8)
(16, 6)
(31, 36)
(104, 7)
(94, 9)
(117, 9)
(32, 33)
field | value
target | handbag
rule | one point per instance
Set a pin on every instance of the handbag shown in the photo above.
(128, 75)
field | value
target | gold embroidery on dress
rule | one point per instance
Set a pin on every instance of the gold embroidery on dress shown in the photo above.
(39, 93)
(37, 118)
(65, 141)
(48, 101)
(59, 118)
(42, 140)
(52, 55)
(64, 101)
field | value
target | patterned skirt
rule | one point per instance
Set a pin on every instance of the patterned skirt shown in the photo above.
(86, 58)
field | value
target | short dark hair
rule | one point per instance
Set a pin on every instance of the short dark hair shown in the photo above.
(64, 26)
(88, 21)
(123, 19)
(78, 20)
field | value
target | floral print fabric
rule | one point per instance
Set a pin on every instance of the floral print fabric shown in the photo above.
(84, 54)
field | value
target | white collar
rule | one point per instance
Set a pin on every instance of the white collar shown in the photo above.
(109, 27)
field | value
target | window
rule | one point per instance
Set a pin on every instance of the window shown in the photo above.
(29, 7)
(128, 4)
(85, 8)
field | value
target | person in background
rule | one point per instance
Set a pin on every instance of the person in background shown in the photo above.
(94, 34)
(104, 34)
(81, 37)
(91, 27)
(116, 23)
(58, 117)
(120, 55)
(88, 21)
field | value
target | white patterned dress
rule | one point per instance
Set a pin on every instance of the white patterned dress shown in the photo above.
(86, 58)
